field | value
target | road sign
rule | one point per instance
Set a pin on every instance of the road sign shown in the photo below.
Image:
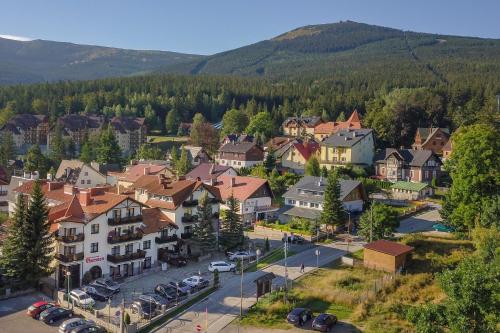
(198, 328)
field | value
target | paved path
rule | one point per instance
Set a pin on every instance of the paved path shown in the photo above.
(223, 306)
(419, 223)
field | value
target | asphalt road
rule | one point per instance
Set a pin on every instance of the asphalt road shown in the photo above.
(13, 318)
(223, 306)
(419, 223)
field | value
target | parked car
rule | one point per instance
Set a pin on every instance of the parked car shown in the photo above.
(70, 324)
(183, 287)
(294, 239)
(54, 314)
(91, 328)
(324, 322)
(157, 299)
(245, 255)
(98, 292)
(81, 298)
(36, 308)
(443, 228)
(177, 261)
(168, 291)
(196, 282)
(143, 308)
(299, 316)
(221, 266)
(108, 283)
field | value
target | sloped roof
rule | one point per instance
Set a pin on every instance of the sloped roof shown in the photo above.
(207, 171)
(332, 126)
(243, 187)
(448, 146)
(124, 124)
(277, 142)
(347, 138)
(411, 157)
(68, 164)
(306, 149)
(73, 212)
(154, 221)
(76, 122)
(137, 171)
(24, 121)
(241, 147)
(426, 133)
(388, 247)
(318, 184)
(302, 121)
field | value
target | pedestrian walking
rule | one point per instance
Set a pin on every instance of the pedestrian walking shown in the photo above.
(302, 268)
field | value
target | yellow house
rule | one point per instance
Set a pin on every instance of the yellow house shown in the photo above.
(350, 146)
(297, 155)
(299, 126)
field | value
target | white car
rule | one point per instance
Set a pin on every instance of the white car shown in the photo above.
(81, 298)
(241, 255)
(221, 266)
(196, 282)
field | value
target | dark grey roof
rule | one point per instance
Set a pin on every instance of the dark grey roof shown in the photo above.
(23, 121)
(124, 124)
(304, 121)
(411, 157)
(308, 213)
(75, 122)
(347, 138)
(426, 131)
(318, 184)
(242, 147)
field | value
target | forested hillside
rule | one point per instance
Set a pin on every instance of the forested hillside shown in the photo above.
(41, 60)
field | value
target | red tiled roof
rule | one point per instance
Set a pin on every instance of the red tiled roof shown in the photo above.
(332, 126)
(137, 171)
(73, 213)
(243, 187)
(207, 171)
(388, 247)
(155, 220)
(306, 149)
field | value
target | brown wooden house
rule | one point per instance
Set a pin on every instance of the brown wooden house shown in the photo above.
(431, 139)
(386, 255)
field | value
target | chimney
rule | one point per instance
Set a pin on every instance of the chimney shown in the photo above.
(85, 198)
(233, 181)
(69, 189)
(147, 170)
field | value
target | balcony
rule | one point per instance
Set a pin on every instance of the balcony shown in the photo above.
(113, 238)
(69, 257)
(190, 203)
(189, 218)
(70, 238)
(186, 235)
(118, 258)
(3, 193)
(124, 220)
(166, 239)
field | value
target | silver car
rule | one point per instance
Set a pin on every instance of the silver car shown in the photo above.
(70, 324)
(108, 283)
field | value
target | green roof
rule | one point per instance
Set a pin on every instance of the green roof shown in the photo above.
(409, 186)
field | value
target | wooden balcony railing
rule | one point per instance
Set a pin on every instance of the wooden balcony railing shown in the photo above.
(117, 258)
(124, 220)
(69, 257)
(189, 218)
(70, 238)
(127, 237)
(166, 239)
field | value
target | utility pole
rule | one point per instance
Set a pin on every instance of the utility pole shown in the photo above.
(286, 269)
(371, 222)
(241, 290)
(348, 232)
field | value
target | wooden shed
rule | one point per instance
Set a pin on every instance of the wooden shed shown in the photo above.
(386, 255)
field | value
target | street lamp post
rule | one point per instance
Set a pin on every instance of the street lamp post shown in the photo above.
(348, 231)
(241, 290)
(317, 252)
(257, 253)
(68, 278)
(286, 268)
(177, 293)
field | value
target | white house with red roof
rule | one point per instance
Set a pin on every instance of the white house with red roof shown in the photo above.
(324, 130)
(254, 195)
(102, 233)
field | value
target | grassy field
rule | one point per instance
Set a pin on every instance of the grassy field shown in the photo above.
(373, 301)
(286, 227)
(274, 256)
(162, 138)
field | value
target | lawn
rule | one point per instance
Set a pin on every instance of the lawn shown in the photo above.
(349, 292)
(286, 227)
(273, 256)
(162, 138)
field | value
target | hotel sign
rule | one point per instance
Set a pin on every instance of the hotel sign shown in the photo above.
(93, 259)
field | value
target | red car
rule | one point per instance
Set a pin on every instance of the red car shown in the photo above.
(37, 308)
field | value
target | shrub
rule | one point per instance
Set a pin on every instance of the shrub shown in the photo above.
(87, 278)
(127, 318)
(267, 246)
(216, 278)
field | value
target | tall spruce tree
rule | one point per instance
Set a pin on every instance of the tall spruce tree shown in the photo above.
(184, 164)
(57, 146)
(13, 259)
(108, 150)
(36, 161)
(231, 234)
(37, 239)
(7, 148)
(333, 213)
(203, 230)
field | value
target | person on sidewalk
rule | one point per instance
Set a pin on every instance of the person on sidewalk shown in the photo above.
(302, 268)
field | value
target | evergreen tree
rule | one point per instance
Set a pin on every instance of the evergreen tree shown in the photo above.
(57, 147)
(312, 167)
(333, 210)
(385, 222)
(87, 153)
(36, 161)
(108, 151)
(203, 233)
(341, 116)
(172, 121)
(324, 172)
(70, 149)
(174, 156)
(196, 134)
(148, 152)
(8, 149)
(270, 161)
(184, 163)
(231, 234)
(37, 239)
(13, 259)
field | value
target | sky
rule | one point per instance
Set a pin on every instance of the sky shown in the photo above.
(211, 26)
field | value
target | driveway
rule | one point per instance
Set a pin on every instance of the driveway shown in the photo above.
(13, 318)
(223, 306)
(419, 223)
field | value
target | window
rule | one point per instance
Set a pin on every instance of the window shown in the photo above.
(129, 249)
(82, 181)
(94, 247)
(115, 250)
(130, 212)
(86, 173)
(88, 181)
(146, 245)
(94, 229)
(147, 262)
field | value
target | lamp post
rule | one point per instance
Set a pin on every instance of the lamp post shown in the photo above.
(257, 253)
(68, 278)
(348, 231)
(286, 267)
(177, 293)
(317, 252)
(241, 290)
(109, 310)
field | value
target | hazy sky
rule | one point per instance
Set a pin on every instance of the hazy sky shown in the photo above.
(210, 26)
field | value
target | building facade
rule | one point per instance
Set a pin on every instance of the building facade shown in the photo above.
(355, 147)
(300, 126)
(77, 173)
(297, 155)
(130, 133)
(324, 130)
(27, 130)
(432, 138)
(239, 155)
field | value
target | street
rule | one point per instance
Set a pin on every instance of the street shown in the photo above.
(419, 223)
(223, 306)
